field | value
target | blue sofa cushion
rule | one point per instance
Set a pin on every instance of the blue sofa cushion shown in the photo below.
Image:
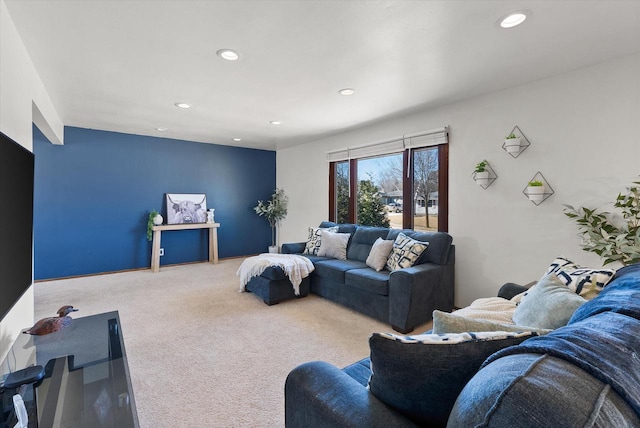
(422, 379)
(362, 241)
(335, 269)
(360, 371)
(439, 244)
(369, 280)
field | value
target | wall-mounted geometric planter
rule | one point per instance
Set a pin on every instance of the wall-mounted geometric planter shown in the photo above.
(515, 146)
(486, 178)
(539, 191)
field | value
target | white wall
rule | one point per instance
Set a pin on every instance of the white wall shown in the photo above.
(21, 93)
(584, 131)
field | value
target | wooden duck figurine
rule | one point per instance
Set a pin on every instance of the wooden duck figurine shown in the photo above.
(52, 324)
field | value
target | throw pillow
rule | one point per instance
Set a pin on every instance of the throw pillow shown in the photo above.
(315, 239)
(406, 251)
(550, 304)
(587, 282)
(334, 245)
(444, 322)
(421, 376)
(379, 254)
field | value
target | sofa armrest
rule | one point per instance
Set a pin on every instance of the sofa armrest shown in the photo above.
(293, 248)
(318, 394)
(415, 292)
(511, 289)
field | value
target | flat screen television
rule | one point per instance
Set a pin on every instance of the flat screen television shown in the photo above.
(16, 222)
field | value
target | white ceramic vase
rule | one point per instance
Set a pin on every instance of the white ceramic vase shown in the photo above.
(512, 145)
(482, 178)
(535, 193)
(157, 220)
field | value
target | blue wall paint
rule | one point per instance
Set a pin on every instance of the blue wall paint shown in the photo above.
(93, 196)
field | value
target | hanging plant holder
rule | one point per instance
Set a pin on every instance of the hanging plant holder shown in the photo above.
(517, 144)
(485, 178)
(538, 189)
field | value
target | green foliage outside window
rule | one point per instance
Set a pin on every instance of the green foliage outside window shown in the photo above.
(371, 210)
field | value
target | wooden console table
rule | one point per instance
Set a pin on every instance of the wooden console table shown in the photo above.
(157, 231)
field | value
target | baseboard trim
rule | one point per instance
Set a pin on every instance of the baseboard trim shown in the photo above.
(132, 270)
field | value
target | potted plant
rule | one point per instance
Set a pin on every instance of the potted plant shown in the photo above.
(512, 143)
(535, 191)
(154, 219)
(615, 241)
(274, 211)
(481, 175)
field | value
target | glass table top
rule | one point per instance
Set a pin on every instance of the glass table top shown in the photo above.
(86, 381)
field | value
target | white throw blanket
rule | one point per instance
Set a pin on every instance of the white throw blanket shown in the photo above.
(295, 267)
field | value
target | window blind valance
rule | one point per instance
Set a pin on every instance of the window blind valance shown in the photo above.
(432, 137)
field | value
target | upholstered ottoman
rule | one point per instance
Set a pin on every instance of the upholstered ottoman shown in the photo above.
(273, 286)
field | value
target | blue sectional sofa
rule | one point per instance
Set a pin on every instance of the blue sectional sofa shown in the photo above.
(585, 374)
(404, 298)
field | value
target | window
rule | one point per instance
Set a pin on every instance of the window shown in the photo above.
(400, 183)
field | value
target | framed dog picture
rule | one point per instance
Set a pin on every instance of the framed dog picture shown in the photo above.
(186, 208)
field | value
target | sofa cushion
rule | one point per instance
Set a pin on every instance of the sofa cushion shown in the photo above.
(405, 252)
(315, 239)
(439, 244)
(379, 254)
(421, 376)
(335, 269)
(585, 281)
(334, 245)
(363, 240)
(369, 280)
(342, 227)
(550, 304)
(360, 371)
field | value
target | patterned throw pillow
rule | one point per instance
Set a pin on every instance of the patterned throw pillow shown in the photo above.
(587, 282)
(315, 239)
(421, 376)
(406, 251)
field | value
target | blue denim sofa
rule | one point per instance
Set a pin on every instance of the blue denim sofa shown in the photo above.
(586, 374)
(405, 298)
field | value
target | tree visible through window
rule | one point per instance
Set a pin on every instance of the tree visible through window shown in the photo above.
(342, 192)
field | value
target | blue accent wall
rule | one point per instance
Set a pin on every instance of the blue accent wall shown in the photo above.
(93, 196)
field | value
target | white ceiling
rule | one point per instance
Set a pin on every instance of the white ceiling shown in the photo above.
(121, 65)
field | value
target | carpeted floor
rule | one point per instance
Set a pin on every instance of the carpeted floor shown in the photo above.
(201, 353)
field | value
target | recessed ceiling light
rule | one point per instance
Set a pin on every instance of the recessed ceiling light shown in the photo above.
(513, 19)
(275, 122)
(228, 54)
(237, 139)
(161, 129)
(183, 105)
(347, 91)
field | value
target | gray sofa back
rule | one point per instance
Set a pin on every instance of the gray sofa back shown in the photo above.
(363, 237)
(439, 244)
(362, 241)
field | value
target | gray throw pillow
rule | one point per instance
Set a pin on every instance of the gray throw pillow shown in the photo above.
(334, 245)
(444, 322)
(421, 376)
(550, 304)
(379, 254)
